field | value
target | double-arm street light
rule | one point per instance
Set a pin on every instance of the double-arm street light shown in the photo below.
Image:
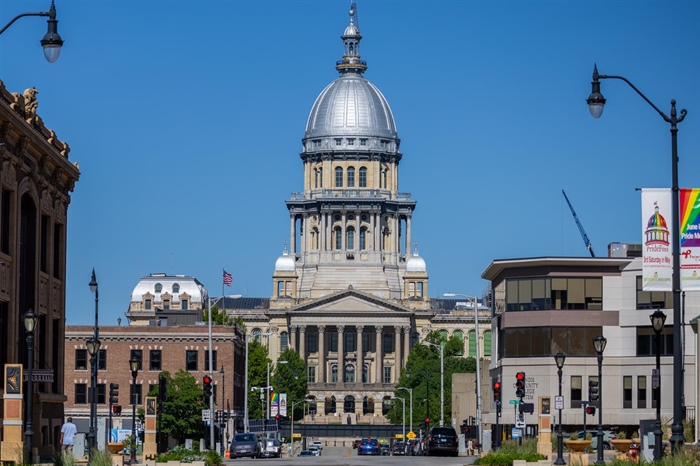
(51, 42)
(441, 347)
(599, 343)
(403, 416)
(596, 101)
(269, 365)
(30, 321)
(559, 358)
(478, 357)
(658, 319)
(410, 405)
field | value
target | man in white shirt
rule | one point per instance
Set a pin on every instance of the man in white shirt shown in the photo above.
(68, 432)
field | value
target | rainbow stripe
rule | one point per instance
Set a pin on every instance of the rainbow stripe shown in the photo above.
(690, 215)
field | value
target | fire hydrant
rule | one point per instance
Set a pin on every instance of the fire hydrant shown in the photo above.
(634, 452)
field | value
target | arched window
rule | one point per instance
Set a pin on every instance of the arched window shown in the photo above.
(459, 334)
(256, 334)
(280, 288)
(330, 405)
(351, 177)
(176, 288)
(351, 238)
(159, 287)
(386, 405)
(443, 335)
(349, 405)
(363, 238)
(487, 343)
(284, 340)
(419, 286)
(367, 405)
(384, 176)
(338, 238)
(472, 343)
(338, 177)
(365, 373)
(349, 373)
(334, 373)
(415, 338)
(363, 177)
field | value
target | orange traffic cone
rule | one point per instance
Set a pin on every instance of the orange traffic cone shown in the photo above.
(227, 454)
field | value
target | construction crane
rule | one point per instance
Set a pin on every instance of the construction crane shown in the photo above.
(580, 227)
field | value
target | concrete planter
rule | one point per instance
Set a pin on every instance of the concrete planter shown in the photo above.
(577, 445)
(524, 463)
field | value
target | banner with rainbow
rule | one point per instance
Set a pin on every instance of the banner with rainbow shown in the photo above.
(690, 238)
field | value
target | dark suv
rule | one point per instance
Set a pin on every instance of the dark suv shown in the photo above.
(444, 440)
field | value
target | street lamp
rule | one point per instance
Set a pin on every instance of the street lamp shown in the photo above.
(599, 343)
(93, 347)
(30, 321)
(441, 347)
(403, 415)
(559, 358)
(245, 382)
(478, 357)
(223, 405)
(51, 42)
(410, 404)
(658, 319)
(305, 400)
(596, 101)
(134, 366)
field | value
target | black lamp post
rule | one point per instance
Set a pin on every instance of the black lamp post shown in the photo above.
(658, 319)
(599, 343)
(559, 358)
(223, 407)
(134, 366)
(93, 347)
(51, 42)
(30, 320)
(596, 101)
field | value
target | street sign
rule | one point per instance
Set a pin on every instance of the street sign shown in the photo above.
(655, 379)
(206, 415)
(411, 434)
(520, 423)
(515, 433)
(558, 402)
(513, 402)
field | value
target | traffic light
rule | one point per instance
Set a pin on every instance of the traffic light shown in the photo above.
(497, 391)
(593, 392)
(113, 393)
(206, 386)
(590, 410)
(117, 410)
(520, 384)
(162, 388)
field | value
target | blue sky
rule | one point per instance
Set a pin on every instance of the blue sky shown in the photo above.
(186, 118)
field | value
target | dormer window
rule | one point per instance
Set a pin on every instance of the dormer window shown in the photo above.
(158, 287)
(351, 142)
(147, 304)
(176, 287)
(166, 304)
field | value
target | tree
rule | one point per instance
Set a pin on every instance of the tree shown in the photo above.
(257, 377)
(219, 317)
(290, 378)
(181, 417)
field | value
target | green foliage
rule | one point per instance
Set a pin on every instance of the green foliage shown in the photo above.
(61, 458)
(212, 458)
(101, 458)
(182, 413)
(219, 316)
(683, 458)
(290, 378)
(511, 450)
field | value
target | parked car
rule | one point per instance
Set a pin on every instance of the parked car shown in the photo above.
(245, 444)
(306, 453)
(318, 443)
(315, 450)
(368, 447)
(399, 449)
(271, 448)
(384, 449)
(443, 439)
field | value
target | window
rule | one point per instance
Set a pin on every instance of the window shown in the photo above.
(460, 336)
(641, 391)
(646, 341)
(367, 405)
(363, 238)
(351, 141)
(81, 359)
(166, 304)
(206, 360)
(138, 355)
(159, 287)
(363, 142)
(333, 343)
(334, 373)
(191, 360)
(312, 342)
(176, 288)
(148, 304)
(155, 360)
(388, 343)
(338, 177)
(576, 391)
(351, 177)
(387, 375)
(81, 393)
(653, 299)
(487, 344)
(366, 342)
(627, 392)
(349, 372)
(284, 340)
(184, 304)
(311, 378)
(135, 394)
(365, 373)
(351, 238)
(546, 341)
(102, 360)
(472, 343)
(338, 142)
(363, 177)
(101, 397)
(349, 404)
(330, 405)
(338, 238)
(534, 294)
(5, 210)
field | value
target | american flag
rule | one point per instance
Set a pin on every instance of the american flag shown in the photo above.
(228, 278)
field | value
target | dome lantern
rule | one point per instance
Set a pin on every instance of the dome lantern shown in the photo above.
(351, 62)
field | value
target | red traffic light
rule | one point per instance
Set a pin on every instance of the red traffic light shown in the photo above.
(520, 376)
(497, 385)
(427, 420)
(590, 410)
(207, 379)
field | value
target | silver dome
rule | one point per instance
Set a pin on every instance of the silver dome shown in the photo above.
(416, 263)
(351, 106)
(285, 262)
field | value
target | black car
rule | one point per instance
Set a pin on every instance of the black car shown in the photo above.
(398, 449)
(245, 444)
(443, 440)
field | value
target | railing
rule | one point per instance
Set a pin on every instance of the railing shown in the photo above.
(348, 193)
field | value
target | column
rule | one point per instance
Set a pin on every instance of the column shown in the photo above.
(293, 337)
(406, 345)
(397, 353)
(343, 230)
(306, 234)
(292, 236)
(378, 354)
(409, 250)
(360, 359)
(372, 232)
(322, 232)
(302, 342)
(329, 223)
(377, 231)
(321, 354)
(341, 355)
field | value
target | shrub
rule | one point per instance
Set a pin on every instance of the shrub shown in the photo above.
(511, 450)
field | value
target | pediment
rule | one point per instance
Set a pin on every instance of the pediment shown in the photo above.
(351, 302)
